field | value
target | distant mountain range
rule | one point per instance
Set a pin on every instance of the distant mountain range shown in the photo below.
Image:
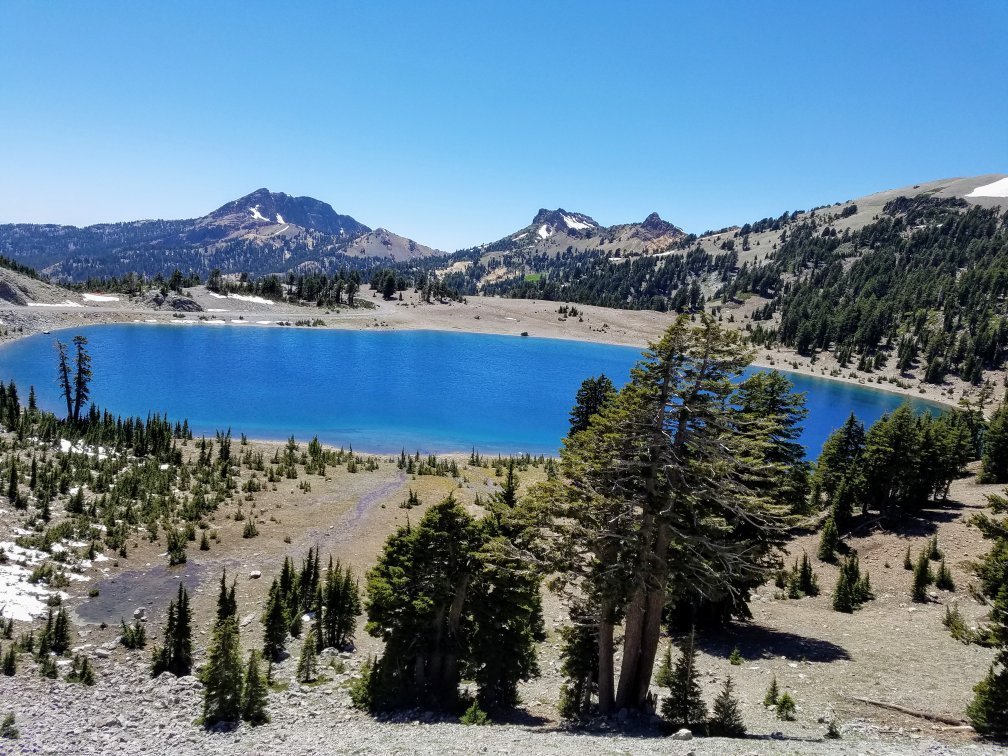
(560, 230)
(262, 232)
(271, 232)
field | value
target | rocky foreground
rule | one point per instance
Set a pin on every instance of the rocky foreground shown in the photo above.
(127, 712)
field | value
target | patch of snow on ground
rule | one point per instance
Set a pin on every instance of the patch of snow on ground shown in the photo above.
(216, 309)
(575, 223)
(19, 599)
(264, 322)
(280, 218)
(519, 236)
(544, 231)
(247, 298)
(64, 303)
(99, 297)
(257, 215)
(998, 189)
(239, 321)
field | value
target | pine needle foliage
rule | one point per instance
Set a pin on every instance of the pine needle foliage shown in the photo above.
(255, 696)
(684, 706)
(222, 675)
(726, 718)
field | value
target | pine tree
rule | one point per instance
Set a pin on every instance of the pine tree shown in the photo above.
(227, 606)
(181, 655)
(275, 624)
(630, 515)
(786, 707)
(994, 468)
(663, 675)
(907, 561)
(307, 669)
(82, 376)
(922, 578)
(772, 694)
(591, 397)
(943, 580)
(807, 578)
(175, 655)
(852, 589)
(988, 712)
(726, 719)
(254, 696)
(59, 641)
(10, 661)
(684, 706)
(829, 541)
(222, 675)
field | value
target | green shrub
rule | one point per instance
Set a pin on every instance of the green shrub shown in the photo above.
(474, 715)
(786, 707)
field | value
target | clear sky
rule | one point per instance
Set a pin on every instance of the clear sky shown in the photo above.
(452, 123)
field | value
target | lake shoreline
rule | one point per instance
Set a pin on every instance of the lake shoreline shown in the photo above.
(479, 315)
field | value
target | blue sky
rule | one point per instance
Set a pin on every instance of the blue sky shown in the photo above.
(452, 123)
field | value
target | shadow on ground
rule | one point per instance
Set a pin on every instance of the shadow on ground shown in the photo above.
(758, 642)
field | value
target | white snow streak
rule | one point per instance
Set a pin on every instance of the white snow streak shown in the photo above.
(998, 189)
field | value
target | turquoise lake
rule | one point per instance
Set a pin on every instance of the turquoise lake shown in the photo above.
(380, 391)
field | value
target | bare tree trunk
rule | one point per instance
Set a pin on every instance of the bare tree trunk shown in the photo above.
(651, 631)
(633, 626)
(447, 684)
(605, 659)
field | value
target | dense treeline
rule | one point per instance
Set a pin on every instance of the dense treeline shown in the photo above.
(925, 285)
(649, 282)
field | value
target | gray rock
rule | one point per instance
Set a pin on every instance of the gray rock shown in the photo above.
(683, 734)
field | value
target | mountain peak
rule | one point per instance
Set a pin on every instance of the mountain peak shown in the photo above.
(263, 207)
(655, 226)
(562, 220)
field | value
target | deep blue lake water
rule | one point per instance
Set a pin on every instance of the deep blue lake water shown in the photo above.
(380, 391)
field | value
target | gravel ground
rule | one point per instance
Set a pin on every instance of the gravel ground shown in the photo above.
(128, 713)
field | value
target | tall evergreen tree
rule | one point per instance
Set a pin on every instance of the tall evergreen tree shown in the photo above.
(175, 655)
(222, 675)
(82, 376)
(637, 512)
(64, 377)
(995, 448)
(227, 606)
(988, 711)
(275, 624)
(254, 694)
(307, 669)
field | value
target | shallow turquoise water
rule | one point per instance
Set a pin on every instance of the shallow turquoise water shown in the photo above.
(380, 391)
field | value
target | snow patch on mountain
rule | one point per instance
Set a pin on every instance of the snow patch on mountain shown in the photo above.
(998, 189)
(575, 224)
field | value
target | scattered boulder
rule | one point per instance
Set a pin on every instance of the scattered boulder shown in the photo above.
(255, 575)
(683, 734)
(171, 301)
